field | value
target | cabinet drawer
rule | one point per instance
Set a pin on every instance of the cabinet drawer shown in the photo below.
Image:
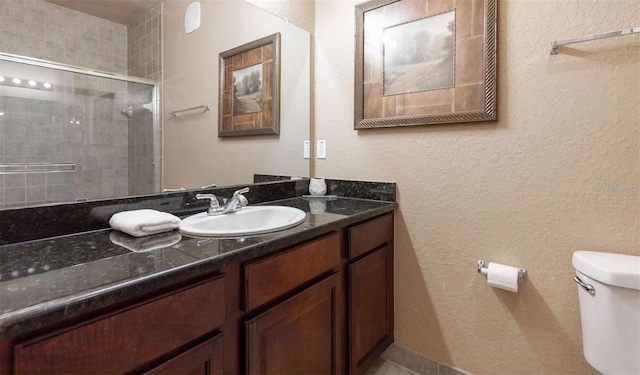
(129, 339)
(273, 276)
(369, 235)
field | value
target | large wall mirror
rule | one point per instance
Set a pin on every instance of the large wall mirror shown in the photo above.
(90, 135)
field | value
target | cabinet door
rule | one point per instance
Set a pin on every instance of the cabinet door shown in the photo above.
(301, 335)
(370, 307)
(204, 359)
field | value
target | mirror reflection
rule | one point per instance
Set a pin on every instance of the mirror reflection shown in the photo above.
(89, 136)
(68, 136)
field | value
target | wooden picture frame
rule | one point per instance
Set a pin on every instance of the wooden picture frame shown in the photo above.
(420, 62)
(249, 99)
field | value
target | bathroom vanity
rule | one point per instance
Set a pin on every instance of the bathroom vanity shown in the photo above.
(316, 298)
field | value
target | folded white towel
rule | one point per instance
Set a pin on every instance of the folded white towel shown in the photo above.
(139, 223)
(142, 244)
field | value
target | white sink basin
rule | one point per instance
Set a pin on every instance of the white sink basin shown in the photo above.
(248, 221)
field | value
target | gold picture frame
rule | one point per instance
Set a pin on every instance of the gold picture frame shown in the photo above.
(421, 62)
(249, 99)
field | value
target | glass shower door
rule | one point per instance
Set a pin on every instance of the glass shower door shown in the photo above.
(69, 136)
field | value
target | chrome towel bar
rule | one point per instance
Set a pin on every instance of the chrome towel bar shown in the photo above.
(207, 107)
(15, 168)
(557, 43)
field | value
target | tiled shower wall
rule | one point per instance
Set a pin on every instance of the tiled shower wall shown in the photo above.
(144, 45)
(42, 30)
(46, 31)
(145, 53)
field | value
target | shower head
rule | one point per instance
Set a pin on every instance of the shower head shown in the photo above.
(131, 111)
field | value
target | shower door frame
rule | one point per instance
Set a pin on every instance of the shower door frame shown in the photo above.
(74, 69)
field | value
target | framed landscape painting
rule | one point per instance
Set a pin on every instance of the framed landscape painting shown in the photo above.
(249, 100)
(421, 62)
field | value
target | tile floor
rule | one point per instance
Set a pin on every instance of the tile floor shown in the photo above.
(384, 367)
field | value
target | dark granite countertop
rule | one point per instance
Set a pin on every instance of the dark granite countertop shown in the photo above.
(48, 281)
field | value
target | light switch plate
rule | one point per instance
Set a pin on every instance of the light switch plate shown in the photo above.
(307, 150)
(321, 149)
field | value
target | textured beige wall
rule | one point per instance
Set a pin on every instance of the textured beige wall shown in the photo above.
(299, 12)
(527, 190)
(194, 156)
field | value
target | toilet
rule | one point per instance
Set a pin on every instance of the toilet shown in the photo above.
(609, 296)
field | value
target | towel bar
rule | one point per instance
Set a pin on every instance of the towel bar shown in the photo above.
(13, 168)
(207, 107)
(556, 43)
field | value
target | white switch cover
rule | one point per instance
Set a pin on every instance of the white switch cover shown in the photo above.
(307, 149)
(322, 149)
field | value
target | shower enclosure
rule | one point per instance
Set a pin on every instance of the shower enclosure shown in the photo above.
(70, 134)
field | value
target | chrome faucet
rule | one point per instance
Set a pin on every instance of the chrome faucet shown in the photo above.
(234, 204)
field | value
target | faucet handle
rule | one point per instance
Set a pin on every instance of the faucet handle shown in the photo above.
(213, 200)
(242, 200)
(241, 191)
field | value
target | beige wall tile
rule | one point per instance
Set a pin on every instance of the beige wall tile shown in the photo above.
(469, 61)
(469, 98)
(464, 19)
(442, 6)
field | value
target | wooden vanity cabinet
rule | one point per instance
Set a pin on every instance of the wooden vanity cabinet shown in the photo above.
(322, 307)
(325, 307)
(295, 305)
(370, 248)
(172, 331)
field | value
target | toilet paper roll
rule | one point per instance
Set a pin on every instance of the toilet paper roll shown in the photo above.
(503, 277)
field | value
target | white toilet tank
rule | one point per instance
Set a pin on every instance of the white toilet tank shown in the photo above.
(611, 313)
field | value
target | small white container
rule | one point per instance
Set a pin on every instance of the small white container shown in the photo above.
(317, 186)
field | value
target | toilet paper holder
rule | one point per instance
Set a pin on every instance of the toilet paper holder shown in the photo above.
(522, 273)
